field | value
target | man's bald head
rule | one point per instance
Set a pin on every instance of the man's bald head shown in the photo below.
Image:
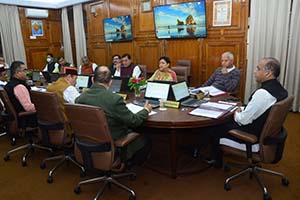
(102, 74)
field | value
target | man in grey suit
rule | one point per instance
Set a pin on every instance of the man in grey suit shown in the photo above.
(120, 119)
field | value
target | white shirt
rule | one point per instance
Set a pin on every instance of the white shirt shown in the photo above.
(261, 101)
(3, 82)
(136, 72)
(56, 69)
(70, 94)
(94, 65)
(117, 73)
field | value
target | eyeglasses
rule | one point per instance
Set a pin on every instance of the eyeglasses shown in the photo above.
(23, 70)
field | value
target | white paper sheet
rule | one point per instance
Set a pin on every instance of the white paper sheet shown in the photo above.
(135, 109)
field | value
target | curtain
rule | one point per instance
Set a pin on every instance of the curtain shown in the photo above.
(66, 36)
(268, 37)
(292, 75)
(11, 34)
(80, 39)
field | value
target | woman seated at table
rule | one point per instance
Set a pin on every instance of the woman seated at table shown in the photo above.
(164, 73)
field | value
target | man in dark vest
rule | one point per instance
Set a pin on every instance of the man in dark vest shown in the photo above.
(19, 92)
(51, 66)
(253, 117)
(129, 69)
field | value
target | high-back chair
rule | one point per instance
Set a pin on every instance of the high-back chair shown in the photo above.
(2, 120)
(54, 130)
(181, 73)
(95, 148)
(185, 63)
(143, 71)
(17, 124)
(270, 145)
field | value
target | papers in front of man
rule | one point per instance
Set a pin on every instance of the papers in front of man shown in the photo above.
(212, 91)
(135, 109)
(212, 110)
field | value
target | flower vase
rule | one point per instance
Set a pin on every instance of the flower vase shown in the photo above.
(137, 92)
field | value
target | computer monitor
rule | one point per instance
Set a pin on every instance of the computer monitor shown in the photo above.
(180, 91)
(82, 81)
(156, 90)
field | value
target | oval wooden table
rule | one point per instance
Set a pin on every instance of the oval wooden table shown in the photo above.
(173, 123)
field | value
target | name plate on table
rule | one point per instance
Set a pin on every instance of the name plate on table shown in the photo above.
(172, 104)
(124, 96)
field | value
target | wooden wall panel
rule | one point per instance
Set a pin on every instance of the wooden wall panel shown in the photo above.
(37, 49)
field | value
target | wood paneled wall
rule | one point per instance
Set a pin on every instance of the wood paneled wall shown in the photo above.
(51, 41)
(146, 49)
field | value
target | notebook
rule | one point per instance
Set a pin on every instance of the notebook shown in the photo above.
(181, 94)
(115, 85)
(154, 92)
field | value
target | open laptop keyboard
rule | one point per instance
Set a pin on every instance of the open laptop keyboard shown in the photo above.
(192, 103)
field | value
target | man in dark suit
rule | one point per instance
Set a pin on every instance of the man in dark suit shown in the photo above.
(120, 119)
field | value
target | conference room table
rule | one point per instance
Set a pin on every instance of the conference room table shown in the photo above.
(171, 125)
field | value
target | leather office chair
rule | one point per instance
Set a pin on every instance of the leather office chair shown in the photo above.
(17, 124)
(143, 71)
(185, 63)
(2, 121)
(95, 148)
(53, 128)
(181, 73)
(271, 146)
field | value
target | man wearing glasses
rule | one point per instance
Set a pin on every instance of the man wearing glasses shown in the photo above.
(17, 88)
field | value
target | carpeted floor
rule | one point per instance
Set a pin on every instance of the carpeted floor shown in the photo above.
(20, 183)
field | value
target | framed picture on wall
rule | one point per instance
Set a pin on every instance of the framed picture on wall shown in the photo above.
(222, 11)
(146, 5)
(37, 28)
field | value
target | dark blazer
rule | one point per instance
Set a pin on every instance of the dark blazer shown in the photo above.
(119, 118)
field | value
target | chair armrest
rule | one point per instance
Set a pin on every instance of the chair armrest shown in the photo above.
(244, 136)
(25, 114)
(126, 139)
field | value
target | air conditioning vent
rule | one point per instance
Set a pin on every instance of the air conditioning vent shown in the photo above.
(36, 13)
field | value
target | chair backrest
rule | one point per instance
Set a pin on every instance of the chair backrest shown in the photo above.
(185, 63)
(143, 71)
(50, 116)
(12, 116)
(270, 153)
(90, 126)
(181, 73)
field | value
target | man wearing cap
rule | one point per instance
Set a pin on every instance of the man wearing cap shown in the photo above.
(3, 77)
(64, 87)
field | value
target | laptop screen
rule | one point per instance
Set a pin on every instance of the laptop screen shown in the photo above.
(156, 90)
(36, 76)
(82, 81)
(115, 85)
(180, 91)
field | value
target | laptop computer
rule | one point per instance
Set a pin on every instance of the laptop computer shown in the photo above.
(115, 85)
(36, 76)
(154, 92)
(50, 77)
(82, 81)
(182, 95)
(124, 86)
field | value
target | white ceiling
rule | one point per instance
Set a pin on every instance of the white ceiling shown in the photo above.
(55, 4)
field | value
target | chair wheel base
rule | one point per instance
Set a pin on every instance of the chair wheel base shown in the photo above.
(227, 187)
(285, 182)
(6, 158)
(267, 197)
(132, 197)
(77, 190)
(49, 179)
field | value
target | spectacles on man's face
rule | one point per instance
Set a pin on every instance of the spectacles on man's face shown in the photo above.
(23, 70)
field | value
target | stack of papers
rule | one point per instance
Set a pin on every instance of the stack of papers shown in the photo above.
(210, 89)
(135, 109)
(212, 110)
